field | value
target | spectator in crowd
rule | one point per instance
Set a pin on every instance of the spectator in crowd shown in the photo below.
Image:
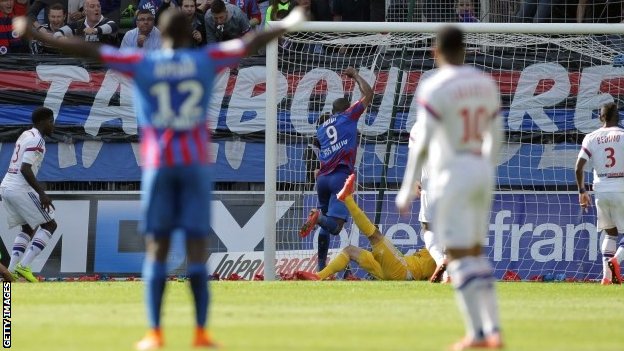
(599, 11)
(38, 5)
(154, 5)
(95, 28)
(351, 10)
(189, 9)
(544, 11)
(251, 9)
(9, 43)
(57, 18)
(75, 10)
(465, 11)
(203, 6)
(225, 22)
(145, 35)
(276, 6)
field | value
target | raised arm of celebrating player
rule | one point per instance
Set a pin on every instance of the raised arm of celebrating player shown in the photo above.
(365, 88)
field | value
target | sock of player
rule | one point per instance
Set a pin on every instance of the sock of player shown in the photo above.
(359, 217)
(466, 279)
(37, 244)
(489, 303)
(329, 224)
(198, 277)
(19, 248)
(619, 254)
(433, 246)
(340, 262)
(607, 247)
(323, 248)
(155, 277)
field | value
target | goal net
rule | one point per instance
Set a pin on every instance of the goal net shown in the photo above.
(552, 85)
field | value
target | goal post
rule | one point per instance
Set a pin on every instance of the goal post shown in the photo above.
(553, 78)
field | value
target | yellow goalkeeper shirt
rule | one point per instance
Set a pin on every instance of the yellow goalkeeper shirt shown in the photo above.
(421, 265)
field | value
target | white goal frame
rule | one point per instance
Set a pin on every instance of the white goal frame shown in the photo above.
(271, 152)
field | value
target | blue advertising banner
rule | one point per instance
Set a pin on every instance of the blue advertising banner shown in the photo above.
(532, 234)
(239, 161)
(535, 235)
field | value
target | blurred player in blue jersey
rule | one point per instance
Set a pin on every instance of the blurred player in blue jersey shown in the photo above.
(337, 137)
(173, 87)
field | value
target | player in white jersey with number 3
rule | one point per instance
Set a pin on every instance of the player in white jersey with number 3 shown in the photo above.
(458, 112)
(26, 202)
(603, 150)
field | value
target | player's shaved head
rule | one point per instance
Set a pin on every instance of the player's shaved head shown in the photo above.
(609, 114)
(41, 114)
(340, 105)
(174, 26)
(450, 45)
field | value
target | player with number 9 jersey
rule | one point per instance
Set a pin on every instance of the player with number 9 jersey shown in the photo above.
(337, 137)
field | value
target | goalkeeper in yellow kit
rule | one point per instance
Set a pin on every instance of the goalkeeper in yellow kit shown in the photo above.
(384, 262)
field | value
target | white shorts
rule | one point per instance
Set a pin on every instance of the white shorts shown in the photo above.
(462, 201)
(610, 210)
(425, 215)
(23, 207)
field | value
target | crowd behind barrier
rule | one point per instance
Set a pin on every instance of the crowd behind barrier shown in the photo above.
(109, 21)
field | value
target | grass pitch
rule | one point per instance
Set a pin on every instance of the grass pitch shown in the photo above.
(314, 316)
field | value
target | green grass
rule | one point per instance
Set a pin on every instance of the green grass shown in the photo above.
(314, 316)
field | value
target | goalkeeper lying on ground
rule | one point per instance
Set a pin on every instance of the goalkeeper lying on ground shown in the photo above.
(385, 262)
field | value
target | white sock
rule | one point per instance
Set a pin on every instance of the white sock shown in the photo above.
(619, 254)
(467, 279)
(38, 243)
(433, 246)
(489, 302)
(19, 247)
(607, 247)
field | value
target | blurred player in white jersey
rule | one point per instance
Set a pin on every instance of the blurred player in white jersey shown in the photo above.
(425, 217)
(26, 202)
(603, 150)
(461, 135)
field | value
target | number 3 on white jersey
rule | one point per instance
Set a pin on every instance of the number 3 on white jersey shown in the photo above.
(189, 111)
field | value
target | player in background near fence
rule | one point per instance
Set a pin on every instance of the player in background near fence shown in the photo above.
(337, 137)
(173, 87)
(384, 261)
(603, 150)
(24, 198)
(425, 216)
(458, 111)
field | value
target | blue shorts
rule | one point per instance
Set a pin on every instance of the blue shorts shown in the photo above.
(177, 197)
(327, 186)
